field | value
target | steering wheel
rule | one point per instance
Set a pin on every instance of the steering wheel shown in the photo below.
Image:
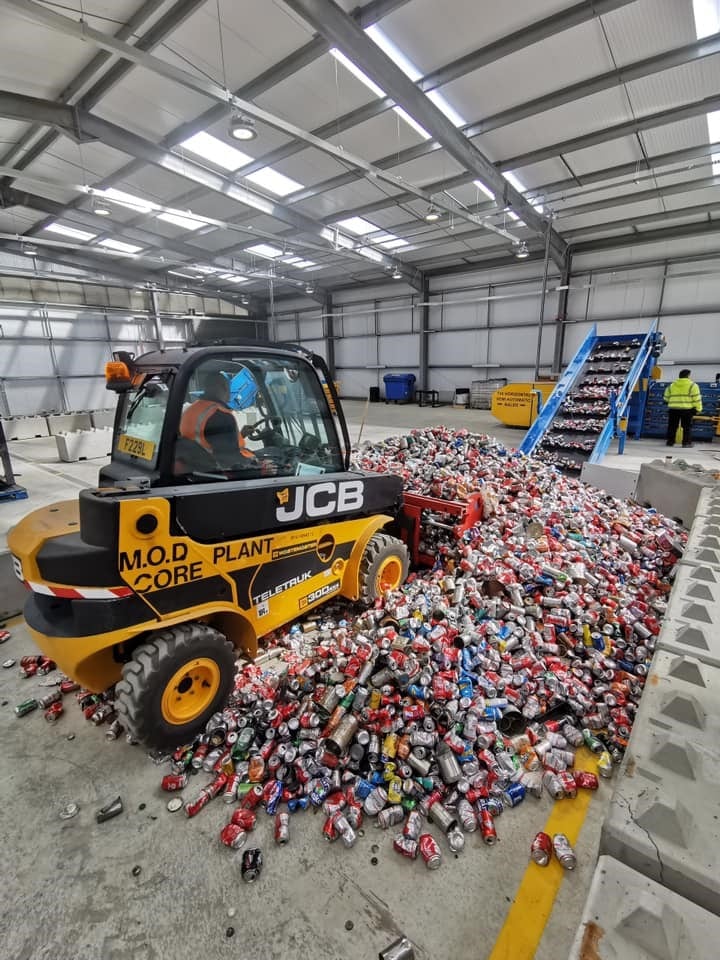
(260, 430)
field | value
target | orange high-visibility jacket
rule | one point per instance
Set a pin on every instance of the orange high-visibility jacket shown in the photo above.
(196, 418)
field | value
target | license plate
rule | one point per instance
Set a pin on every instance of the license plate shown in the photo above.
(17, 567)
(135, 447)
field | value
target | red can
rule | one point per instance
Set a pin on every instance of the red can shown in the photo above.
(413, 825)
(53, 712)
(329, 829)
(244, 818)
(487, 827)
(585, 780)
(430, 851)
(282, 828)
(233, 836)
(252, 798)
(541, 849)
(193, 807)
(406, 846)
(174, 781)
(568, 784)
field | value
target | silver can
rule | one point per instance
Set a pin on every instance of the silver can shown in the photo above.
(564, 852)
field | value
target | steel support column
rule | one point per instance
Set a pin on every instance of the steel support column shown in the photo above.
(424, 334)
(560, 323)
(329, 332)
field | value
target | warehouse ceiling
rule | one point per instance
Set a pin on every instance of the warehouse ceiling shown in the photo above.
(388, 139)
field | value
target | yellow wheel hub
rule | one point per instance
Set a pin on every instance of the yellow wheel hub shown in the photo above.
(389, 575)
(190, 691)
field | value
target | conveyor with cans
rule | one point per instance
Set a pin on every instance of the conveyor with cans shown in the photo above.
(604, 386)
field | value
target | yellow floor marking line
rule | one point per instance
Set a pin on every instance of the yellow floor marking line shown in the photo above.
(525, 922)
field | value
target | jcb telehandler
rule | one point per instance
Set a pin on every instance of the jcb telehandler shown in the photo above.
(228, 509)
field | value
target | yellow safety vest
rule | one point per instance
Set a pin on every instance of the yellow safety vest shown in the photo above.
(683, 394)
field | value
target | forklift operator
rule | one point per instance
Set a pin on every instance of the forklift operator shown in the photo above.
(210, 423)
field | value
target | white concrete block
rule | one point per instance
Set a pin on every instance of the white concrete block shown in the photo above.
(84, 444)
(673, 489)
(66, 422)
(613, 480)
(663, 817)
(24, 428)
(102, 418)
(629, 917)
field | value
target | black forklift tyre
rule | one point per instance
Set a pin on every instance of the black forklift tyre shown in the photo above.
(174, 683)
(384, 566)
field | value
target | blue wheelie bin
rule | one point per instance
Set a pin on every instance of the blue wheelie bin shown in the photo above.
(399, 387)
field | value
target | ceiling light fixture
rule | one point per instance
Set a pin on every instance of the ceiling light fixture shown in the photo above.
(242, 127)
(29, 249)
(520, 249)
(432, 214)
(309, 288)
(100, 208)
(396, 275)
(244, 300)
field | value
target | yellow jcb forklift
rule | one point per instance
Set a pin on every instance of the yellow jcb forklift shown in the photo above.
(228, 509)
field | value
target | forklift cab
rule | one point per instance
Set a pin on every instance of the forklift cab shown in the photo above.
(210, 414)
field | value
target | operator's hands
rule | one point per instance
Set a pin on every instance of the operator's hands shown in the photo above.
(246, 430)
(268, 468)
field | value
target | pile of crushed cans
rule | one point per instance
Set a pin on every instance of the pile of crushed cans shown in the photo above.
(459, 695)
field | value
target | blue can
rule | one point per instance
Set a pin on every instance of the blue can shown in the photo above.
(298, 803)
(417, 691)
(493, 804)
(320, 791)
(514, 794)
(377, 779)
(362, 788)
(465, 688)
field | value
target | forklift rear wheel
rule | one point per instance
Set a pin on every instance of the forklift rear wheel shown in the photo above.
(384, 566)
(174, 683)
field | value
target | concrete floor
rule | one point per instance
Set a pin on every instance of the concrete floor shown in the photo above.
(69, 892)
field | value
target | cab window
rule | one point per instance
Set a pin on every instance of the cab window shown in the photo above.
(247, 417)
(141, 421)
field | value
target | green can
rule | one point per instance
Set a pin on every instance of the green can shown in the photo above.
(27, 706)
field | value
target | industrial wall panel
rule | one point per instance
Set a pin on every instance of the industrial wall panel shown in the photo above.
(355, 320)
(33, 396)
(516, 347)
(80, 359)
(447, 381)
(88, 393)
(356, 351)
(660, 821)
(76, 324)
(20, 322)
(398, 318)
(629, 917)
(356, 383)
(399, 350)
(703, 291)
(460, 347)
(311, 328)
(459, 313)
(25, 360)
(171, 330)
(286, 330)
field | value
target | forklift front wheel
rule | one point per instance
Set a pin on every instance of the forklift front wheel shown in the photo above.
(174, 683)
(384, 566)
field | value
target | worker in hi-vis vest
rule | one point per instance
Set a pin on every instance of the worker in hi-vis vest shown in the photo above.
(211, 423)
(683, 399)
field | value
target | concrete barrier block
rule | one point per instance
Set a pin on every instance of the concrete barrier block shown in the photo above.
(618, 483)
(68, 422)
(662, 820)
(84, 444)
(709, 502)
(629, 917)
(673, 488)
(102, 418)
(24, 428)
(688, 627)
